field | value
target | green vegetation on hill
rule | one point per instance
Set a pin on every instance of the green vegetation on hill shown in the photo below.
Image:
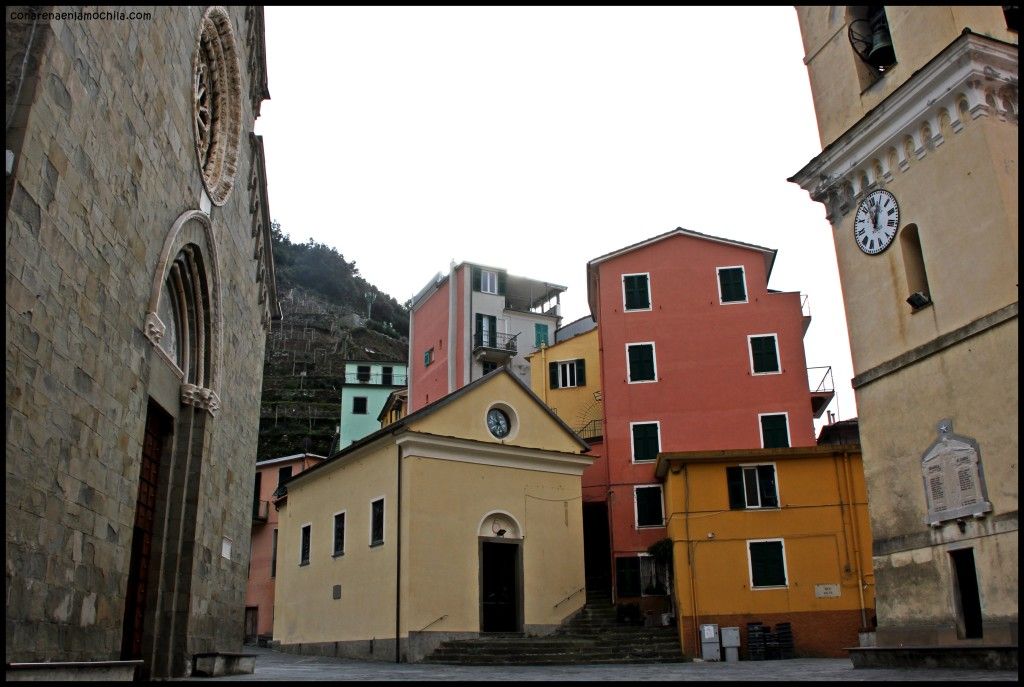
(321, 269)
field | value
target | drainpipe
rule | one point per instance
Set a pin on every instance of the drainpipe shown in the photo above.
(690, 557)
(847, 470)
(453, 299)
(398, 561)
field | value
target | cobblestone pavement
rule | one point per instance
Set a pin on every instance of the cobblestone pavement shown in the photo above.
(273, 665)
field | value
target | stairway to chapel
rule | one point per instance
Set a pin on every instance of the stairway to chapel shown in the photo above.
(591, 636)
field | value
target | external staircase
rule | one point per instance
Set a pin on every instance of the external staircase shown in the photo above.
(591, 636)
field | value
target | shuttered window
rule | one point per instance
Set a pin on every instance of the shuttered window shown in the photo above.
(752, 487)
(540, 334)
(636, 292)
(774, 431)
(764, 354)
(649, 511)
(359, 405)
(641, 362)
(646, 442)
(304, 549)
(767, 563)
(486, 331)
(566, 374)
(732, 285)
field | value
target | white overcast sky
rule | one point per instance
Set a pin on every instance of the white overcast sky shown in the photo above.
(538, 138)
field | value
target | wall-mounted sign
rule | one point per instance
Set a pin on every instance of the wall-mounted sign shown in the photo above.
(826, 591)
(954, 483)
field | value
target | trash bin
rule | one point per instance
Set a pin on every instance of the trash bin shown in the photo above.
(731, 643)
(710, 648)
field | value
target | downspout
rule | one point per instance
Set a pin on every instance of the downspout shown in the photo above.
(842, 509)
(690, 556)
(398, 561)
(847, 473)
(412, 362)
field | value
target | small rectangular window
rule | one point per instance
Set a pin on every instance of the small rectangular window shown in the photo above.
(339, 534)
(774, 431)
(540, 334)
(649, 512)
(359, 405)
(640, 362)
(363, 373)
(752, 487)
(428, 357)
(488, 367)
(636, 292)
(767, 563)
(386, 376)
(304, 549)
(377, 522)
(732, 287)
(567, 373)
(646, 441)
(283, 475)
(488, 281)
(764, 354)
(273, 555)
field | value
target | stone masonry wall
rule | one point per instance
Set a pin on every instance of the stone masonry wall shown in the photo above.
(106, 166)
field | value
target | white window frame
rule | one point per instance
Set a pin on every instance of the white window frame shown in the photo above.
(632, 448)
(488, 278)
(575, 372)
(744, 466)
(654, 361)
(344, 536)
(760, 428)
(636, 506)
(750, 353)
(650, 298)
(750, 564)
(383, 522)
(301, 528)
(718, 279)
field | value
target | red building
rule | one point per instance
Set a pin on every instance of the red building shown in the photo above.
(697, 354)
(259, 592)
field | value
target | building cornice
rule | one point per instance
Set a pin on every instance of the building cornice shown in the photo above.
(499, 455)
(973, 77)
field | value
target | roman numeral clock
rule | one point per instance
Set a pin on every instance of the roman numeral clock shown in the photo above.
(876, 222)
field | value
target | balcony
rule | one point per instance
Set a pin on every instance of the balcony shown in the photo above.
(494, 346)
(805, 311)
(592, 432)
(822, 387)
(260, 511)
(394, 379)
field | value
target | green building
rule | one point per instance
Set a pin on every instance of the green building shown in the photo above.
(364, 390)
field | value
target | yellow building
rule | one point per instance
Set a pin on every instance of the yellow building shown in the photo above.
(771, 536)
(461, 518)
(567, 376)
(917, 114)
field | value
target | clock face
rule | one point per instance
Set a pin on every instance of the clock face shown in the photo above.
(876, 222)
(498, 423)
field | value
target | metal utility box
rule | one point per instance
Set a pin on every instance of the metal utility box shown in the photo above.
(731, 643)
(710, 647)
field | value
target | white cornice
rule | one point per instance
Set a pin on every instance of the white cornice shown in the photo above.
(973, 77)
(499, 455)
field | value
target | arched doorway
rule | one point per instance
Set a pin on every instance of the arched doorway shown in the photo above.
(501, 574)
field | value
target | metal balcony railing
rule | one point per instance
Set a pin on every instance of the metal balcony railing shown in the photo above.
(394, 379)
(592, 430)
(822, 387)
(496, 341)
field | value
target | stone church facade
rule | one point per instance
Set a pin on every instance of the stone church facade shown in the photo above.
(140, 287)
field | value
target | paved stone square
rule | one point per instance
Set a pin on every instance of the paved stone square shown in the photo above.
(273, 665)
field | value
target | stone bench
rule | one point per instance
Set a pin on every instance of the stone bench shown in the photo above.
(116, 671)
(217, 663)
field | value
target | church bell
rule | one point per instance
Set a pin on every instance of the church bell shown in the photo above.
(881, 53)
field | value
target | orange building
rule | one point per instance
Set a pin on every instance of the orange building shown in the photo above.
(259, 592)
(696, 354)
(771, 536)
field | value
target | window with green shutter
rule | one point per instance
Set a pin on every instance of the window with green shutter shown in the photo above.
(428, 357)
(636, 292)
(764, 354)
(767, 563)
(646, 442)
(540, 334)
(566, 374)
(774, 431)
(649, 511)
(641, 362)
(752, 487)
(732, 285)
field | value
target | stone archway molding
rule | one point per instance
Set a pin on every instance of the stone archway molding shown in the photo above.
(191, 394)
(498, 520)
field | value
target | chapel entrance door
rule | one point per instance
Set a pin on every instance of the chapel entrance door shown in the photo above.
(500, 586)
